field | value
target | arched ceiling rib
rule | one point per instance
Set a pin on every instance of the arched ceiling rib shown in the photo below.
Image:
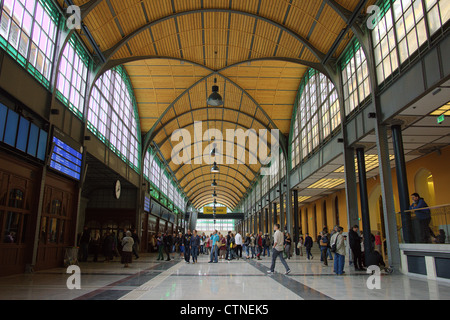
(220, 190)
(206, 201)
(259, 51)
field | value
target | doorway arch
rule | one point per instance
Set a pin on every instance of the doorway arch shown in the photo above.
(424, 186)
(336, 211)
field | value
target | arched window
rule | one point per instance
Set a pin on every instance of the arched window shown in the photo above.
(402, 31)
(28, 32)
(317, 115)
(72, 75)
(336, 210)
(112, 116)
(355, 77)
(324, 214)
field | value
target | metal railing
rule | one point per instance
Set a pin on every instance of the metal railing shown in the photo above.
(426, 225)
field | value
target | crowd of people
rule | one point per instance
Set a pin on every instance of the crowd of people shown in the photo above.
(110, 245)
(333, 245)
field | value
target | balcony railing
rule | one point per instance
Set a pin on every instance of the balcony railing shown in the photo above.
(425, 225)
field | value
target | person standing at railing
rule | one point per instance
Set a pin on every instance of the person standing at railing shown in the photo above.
(423, 217)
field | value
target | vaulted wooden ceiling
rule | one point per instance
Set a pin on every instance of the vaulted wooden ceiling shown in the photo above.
(258, 50)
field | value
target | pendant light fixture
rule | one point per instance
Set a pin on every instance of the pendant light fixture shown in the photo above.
(215, 99)
(215, 168)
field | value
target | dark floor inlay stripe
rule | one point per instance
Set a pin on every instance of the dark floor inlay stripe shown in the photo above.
(296, 287)
(134, 280)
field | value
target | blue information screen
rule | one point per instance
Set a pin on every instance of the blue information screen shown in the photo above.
(147, 204)
(66, 159)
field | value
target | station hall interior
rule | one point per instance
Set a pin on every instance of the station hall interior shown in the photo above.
(116, 116)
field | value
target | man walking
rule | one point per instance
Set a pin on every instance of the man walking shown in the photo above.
(308, 245)
(187, 246)
(277, 251)
(214, 257)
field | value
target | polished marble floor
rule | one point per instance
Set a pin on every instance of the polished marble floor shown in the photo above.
(149, 279)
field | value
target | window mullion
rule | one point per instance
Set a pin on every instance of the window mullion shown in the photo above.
(427, 25)
(54, 66)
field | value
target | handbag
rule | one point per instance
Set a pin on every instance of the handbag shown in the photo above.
(334, 247)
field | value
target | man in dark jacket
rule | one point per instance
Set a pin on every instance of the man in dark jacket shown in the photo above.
(355, 245)
(167, 239)
(85, 238)
(187, 246)
(135, 237)
(423, 218)
(308, 245)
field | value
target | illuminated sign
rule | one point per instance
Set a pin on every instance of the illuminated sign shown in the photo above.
(210, 210)
(147, 203)
(66, 159)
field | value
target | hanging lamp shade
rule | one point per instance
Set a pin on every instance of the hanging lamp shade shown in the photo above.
(215, 168)
(215, 99)
(214, 183)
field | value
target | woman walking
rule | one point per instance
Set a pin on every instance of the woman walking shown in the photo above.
(127, 249)
(287, 246)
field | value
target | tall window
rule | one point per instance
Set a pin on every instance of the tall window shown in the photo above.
(402, 30)
(438, 12)
(355, 77)
(164, 184)
(112, 116)
(72, 75)
(317, 115)
(28, 31)
(265, 185)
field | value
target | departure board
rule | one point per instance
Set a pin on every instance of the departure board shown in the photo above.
(66, 159)
(147, 203)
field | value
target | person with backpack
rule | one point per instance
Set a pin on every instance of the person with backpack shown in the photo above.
(308, 245)
(323, 245)
(247, 245)
(338, 247)
(233, 254)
